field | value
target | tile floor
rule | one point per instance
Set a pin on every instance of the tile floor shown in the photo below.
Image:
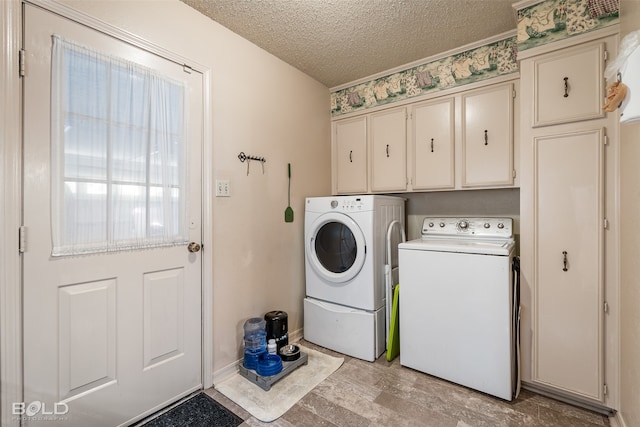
(384, 393)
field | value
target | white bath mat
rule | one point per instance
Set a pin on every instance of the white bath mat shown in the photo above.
(270, 405)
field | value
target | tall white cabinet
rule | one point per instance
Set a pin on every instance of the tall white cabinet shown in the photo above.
(568, 299)
(569, 233)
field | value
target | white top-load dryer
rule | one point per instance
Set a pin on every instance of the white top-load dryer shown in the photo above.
(459, 303)
(344, 267)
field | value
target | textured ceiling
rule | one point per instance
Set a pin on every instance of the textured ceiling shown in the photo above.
(339, 41)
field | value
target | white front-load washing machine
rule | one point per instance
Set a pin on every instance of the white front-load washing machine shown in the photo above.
(344, 308)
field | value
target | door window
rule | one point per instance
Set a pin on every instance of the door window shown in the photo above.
(336, 247)
(118, 154)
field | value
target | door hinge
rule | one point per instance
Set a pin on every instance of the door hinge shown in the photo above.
(22, 239)
(187, 69)
(605, 223)
(513, 93)
(21, 62)
(514, 173)
(606, 56)
(605, 307)
(605, 389)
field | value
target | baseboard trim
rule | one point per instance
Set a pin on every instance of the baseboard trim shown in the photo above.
(575, 401)
(616, 420)
(296, 336)
(226, 372)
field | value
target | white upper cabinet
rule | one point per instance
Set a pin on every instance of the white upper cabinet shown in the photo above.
(569, 85)
(487, 136)
(350, 155)
(388, 145)
(457, 141)
(432, 145)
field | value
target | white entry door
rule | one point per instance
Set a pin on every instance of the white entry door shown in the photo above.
(111, 335)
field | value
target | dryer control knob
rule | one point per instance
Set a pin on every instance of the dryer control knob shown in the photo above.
(501, 225)
(430, 224)
(442, 224)
(334, 204)
(487, 225)
(463, 224)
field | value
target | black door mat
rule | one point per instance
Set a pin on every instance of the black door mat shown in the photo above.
(199, 411)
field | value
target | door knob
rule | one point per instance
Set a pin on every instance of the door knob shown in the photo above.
(194, 247)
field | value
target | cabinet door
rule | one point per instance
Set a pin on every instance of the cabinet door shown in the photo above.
(568, 85)
(388, 142)
(350, 155)
(568, 241)
(487, 137)
(433, 145)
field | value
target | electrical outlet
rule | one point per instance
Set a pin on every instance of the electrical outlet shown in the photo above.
(223, 188)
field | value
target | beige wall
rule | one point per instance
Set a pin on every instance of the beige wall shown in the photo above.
(630, 250)
(263, 107)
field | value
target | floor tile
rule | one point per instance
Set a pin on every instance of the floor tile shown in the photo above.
(383, 393)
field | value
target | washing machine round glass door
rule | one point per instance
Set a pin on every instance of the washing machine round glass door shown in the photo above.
(336, 247)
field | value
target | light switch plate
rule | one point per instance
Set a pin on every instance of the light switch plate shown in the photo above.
(223, 188)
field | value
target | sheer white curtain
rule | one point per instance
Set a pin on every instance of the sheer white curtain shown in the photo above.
(118, 154)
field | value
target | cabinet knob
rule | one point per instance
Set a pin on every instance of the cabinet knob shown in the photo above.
(566, 87)
(432, 145)
(564, 261)
(387, 150)
(486, 137)
(350, 156)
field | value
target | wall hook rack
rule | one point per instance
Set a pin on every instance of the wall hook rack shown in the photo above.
(245, 157)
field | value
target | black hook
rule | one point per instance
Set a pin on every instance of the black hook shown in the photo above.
(243, 157)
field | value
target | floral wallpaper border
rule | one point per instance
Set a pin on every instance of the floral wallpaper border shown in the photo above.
(481, 63)
(553, 20)
(544, 22)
